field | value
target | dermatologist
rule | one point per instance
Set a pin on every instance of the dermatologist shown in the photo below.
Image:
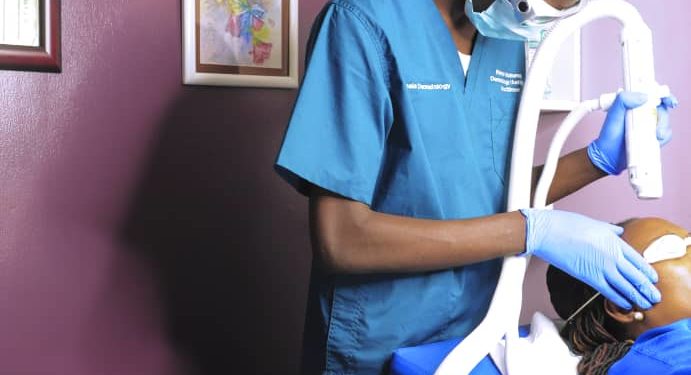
(400, 137)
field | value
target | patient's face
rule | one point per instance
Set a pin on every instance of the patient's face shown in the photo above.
(675, 274)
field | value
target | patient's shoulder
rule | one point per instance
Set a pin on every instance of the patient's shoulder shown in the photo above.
(663, 350)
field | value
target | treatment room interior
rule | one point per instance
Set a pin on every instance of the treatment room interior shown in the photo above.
(143, 229)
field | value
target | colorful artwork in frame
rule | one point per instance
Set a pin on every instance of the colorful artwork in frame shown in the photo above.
(240, 43)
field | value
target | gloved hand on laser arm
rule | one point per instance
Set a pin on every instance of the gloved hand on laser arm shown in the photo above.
(593, 252)
(608, 151)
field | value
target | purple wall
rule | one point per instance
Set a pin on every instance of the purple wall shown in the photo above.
(141, 224)
(612, 199)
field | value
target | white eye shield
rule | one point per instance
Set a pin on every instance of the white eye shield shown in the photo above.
(669, 246)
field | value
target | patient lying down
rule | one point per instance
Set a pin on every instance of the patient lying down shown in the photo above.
(614, 341)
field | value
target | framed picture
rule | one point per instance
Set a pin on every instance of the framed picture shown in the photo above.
(240, 43)
(30, 35)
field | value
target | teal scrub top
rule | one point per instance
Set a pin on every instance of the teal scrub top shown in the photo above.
(386, 117)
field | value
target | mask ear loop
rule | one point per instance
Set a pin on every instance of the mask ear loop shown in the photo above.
(588, 302)
(687, 242)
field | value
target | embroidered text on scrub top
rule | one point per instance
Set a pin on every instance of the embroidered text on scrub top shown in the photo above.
(510, 82)
(429, 86)
(465, 63)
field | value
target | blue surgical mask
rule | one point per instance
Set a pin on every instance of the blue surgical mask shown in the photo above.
(517, 19)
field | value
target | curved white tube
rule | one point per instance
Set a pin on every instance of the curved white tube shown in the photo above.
(451, 362)
(529, 111)
(502, 319)
(469, 352)
(555, 148)
(550, 168)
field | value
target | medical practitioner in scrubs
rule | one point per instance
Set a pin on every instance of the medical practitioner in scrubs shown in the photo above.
(400, 137)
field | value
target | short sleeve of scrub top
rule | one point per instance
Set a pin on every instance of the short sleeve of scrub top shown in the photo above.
(336, 135)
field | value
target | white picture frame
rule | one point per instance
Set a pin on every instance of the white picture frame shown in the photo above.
(247, 43)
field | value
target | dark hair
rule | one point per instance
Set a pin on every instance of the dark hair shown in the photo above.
(592, 333)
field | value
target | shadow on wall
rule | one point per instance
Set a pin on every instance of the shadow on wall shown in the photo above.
(225, 236)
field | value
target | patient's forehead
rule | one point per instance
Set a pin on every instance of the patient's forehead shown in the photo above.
(640, 233)
(675, 274)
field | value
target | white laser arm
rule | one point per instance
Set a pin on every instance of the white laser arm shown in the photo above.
(502, 319)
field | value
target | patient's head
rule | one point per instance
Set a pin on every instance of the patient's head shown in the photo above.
(602, 332)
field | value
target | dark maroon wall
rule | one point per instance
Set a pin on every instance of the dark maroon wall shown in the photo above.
(141, 224)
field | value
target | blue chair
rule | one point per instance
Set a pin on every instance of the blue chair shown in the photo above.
(424, 359)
